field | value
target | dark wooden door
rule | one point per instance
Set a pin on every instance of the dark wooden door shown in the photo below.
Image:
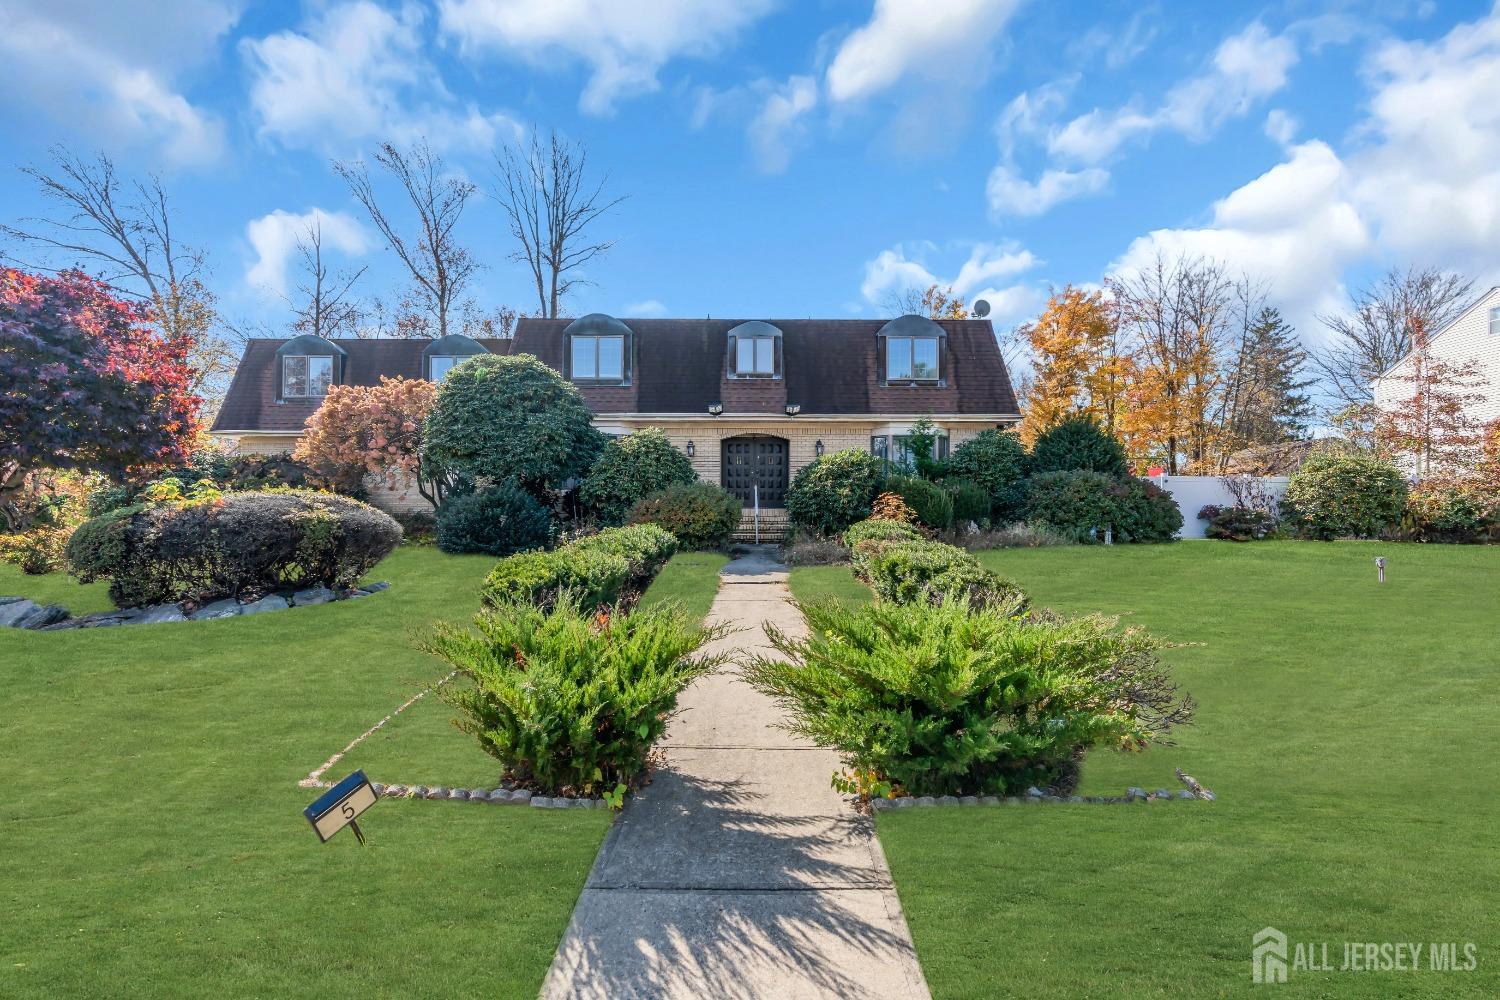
(757, 461)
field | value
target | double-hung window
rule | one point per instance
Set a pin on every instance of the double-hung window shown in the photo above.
(599, 358)
(439, 365)
(755, 356)
(911, 359)
(1495, 322)
(306, 375)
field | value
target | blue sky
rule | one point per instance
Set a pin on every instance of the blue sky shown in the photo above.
(800, 159)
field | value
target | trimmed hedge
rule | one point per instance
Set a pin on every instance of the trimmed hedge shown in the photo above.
(631, 468)
(599, 569)
(1074, 503)
(240, 545)
(931, 572)
(834, 491)
(701, 515)
(498, 521)
(1339, 496)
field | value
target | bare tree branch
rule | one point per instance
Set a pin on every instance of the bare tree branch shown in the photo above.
(324, 308)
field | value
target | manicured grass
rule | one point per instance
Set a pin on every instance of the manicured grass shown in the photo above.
(689, 578)
(55, 588)
(1349, 730)
(151, 835)
(819, 583)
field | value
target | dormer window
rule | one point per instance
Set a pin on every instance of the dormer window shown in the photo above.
(446, 353)
(439, 365)
(913, 349)
(310, 366)
(754, 350)
(598, 349)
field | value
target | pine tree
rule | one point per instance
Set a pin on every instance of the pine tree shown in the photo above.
(1265, 401)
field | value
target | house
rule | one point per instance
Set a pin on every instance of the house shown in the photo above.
(748, 401)
(1473, 336)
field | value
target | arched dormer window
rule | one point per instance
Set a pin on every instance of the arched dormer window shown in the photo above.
(755, 350)
(309, 366)
(444, 354)
(598, 350)
(911, 350)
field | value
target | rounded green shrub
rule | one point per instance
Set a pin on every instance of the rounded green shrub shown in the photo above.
(1344, 495)
(498, 521)
(1072, 503)
(907, 571)
(833, 492)
(1144, 512)
(1451, 510)
(971, 503)
(932, 504)
(996, 461)
(604, 568)
(1078, 443)
(630, 468)
(241, 545)
(700, 515)
(883, 531)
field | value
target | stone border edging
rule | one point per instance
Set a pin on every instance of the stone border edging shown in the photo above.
(1194, 792)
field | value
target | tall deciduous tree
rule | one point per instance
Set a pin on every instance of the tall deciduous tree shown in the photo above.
(125, 231)
(1078, 367)
(85, 383)
(374, 429)
(550, 204)
(1378, 329)
(324, 307)
(439, 265)
(1431, 420)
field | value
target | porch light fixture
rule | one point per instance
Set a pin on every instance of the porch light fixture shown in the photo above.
(792, 409)
(691, 451)
(818, 448)
(715, 409)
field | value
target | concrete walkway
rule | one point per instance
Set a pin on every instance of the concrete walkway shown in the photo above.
(739, 872)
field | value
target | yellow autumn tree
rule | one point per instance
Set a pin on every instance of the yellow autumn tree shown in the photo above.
(1078, 367)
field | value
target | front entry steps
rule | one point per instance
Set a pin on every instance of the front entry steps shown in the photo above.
(774, 526)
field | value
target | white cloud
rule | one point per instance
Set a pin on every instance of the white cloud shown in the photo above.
(900, 269)
(779, 122)
(1281, 126)
(624, 44)
(274, 238)
(1246, 68)
(650, 307)
(1010, 194)
(925, 39)
(108, 71)
(358, 71)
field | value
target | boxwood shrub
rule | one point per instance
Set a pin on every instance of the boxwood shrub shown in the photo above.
(241, 545)
(701, 515)
(631, 468)
(497, 521)
(1071, 503)
(1336, 495)
(996, 461)
(834, 491)
(606, 568)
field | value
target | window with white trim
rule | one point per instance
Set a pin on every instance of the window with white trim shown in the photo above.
(1495, 322)
(911, 359)
(755, 356)
(893, 448)
(600, 358)
(306, 375)
(439, 365)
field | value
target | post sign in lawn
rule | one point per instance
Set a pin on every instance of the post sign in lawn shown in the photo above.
(340, 806)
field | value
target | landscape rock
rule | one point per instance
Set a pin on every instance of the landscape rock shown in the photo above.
(1185, 794)
(271, 602)
(417, 791)
(881, 805)
(1162, 793)
(377, 586)
(501, 795)
(541, 802)
(41, 617)
(1034, 792)
(989, 800)
(160, 613)
(458, 793)
(10, 600)
(394, 791)
(520, 795)
(227, 608)
(926, 800)
(905, 802)
(313, 595)
(12, 612)
(436, 792)
(969, 800)
(948, 800)
(479, 795)
(1132, 793)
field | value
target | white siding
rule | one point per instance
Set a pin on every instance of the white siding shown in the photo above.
(1466, 339)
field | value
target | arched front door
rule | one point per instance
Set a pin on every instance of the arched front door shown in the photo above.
(757, 460)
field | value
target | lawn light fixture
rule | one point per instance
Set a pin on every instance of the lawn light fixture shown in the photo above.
(818, 448)
(792, 409)
(715, 409)
(1380, 567)
(691, 451)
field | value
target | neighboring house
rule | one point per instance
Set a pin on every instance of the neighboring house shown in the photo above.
(750, 402)
(1473, 336)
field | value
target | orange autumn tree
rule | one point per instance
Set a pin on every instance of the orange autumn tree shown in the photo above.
(1078, 367)
(374, 429)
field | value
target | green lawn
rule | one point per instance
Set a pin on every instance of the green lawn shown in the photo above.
(1349, 729)
(151, 833)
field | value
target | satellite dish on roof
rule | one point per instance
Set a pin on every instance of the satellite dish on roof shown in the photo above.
(981, 308)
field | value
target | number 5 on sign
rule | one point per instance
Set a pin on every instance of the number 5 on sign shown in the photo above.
(340, 806)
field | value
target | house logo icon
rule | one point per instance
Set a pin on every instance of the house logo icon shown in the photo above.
(1268, 956)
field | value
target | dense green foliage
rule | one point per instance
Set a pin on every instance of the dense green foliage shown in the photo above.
(1082, 505)
(971, 503)
(996, 460)
(498, 521)
(1237, 524)
(631, 468)
(230, 473)
(598, 569)
(565, 703)
(701, 515)
(1078, 443)
(945, 699)
(509, 417)
(1335, 495)
(834, 491)
(930, 572)
(880, 531)
(1451, 510)
(1144, 512)
(932, 504)
(240, 545)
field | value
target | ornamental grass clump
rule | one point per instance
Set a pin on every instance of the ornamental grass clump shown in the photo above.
(570, 700)
(948, 699)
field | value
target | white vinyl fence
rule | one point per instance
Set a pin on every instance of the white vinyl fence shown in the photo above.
(1192, 493)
